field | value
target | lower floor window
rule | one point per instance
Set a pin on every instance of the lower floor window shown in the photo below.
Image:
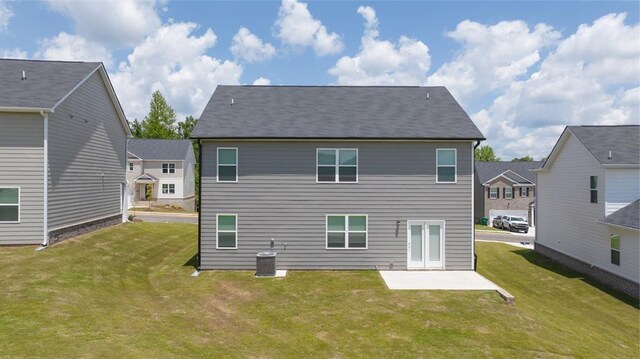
(227, 231)
(168, 188)
(615, 249)
(9, 205)
(346, 231)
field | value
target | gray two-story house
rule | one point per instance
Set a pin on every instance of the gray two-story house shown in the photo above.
(340, 178)
(63, 139)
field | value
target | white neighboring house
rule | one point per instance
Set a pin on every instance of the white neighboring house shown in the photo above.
(588, 192)
(161, 173)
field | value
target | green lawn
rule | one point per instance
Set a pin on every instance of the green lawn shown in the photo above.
(127, 292)
(487, 228)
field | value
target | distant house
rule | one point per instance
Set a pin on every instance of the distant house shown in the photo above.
(161, 173)
(505, 188)
(62, 151)
(340, 177)
(588, 191)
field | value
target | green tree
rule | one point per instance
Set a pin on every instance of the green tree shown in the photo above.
(523, 159)
(485, 154)
(136, 128)
(161, 120)
(186, 127)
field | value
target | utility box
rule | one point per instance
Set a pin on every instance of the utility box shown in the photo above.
(266, 264)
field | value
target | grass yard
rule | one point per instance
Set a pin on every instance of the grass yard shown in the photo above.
(487, 228)
(127, 292)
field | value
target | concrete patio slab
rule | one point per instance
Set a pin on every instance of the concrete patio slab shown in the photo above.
(436, 280)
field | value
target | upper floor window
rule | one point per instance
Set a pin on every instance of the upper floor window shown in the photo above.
(337, 165)
(615, 249)
(508, 193)
(446, 165)
(524, 191)
(9, 205)
(168, 168)
(130, 166)
(227, 164)
(347, 231)
(493, 192)
(594, 189)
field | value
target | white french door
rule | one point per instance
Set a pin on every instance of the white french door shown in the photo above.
(425, 244)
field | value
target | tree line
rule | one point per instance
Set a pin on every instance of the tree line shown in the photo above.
(486, 154)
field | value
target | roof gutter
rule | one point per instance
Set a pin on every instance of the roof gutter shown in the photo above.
(40, 110)
(619, 225)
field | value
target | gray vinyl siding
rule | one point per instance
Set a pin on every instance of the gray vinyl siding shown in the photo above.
(86, 140)
(22, 165)
(277, 197)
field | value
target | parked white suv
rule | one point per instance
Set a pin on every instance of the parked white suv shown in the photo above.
(513, 223)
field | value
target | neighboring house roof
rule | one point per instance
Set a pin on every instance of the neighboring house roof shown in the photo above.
(153, 149)
(623, 142)
(335, 112)
(47, 84)
(146, 177)
(628, 216)
(489, 170)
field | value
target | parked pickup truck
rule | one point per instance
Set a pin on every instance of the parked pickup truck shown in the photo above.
(513, 223)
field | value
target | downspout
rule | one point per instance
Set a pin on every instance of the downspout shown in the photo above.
(45, 210)
(474, 259)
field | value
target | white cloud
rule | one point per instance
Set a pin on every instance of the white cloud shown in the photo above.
(491, 56)
(174, 61)
(297, 27)
(570, 88)
(72, 48)
(119, 23)
(261, 81)
(5, 15)
(382, 62)
(250, 48)
(14, 54)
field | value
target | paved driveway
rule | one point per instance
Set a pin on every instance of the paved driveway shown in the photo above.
(162, 217)
(506, 236)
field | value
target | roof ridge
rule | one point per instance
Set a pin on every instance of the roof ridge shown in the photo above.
(337, 86)
(51, 61)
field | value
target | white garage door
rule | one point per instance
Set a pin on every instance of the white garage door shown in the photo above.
(499, 212)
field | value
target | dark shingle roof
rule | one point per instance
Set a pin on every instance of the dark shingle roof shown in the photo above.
(622, 141)
(47, 81)
(489, 170)
(340, 112)
(628, 216)
(152, 149)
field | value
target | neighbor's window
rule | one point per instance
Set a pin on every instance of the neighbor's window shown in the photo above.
(594, 189)
(168, 168)
(169, 188)
(130, 166)
(615, 249)
(9, 205)
(493, 193)
(226, 231)
(446, 165)
(337, 165)
(346, 231)
(227, 164)
(508, 193)
(524, 191)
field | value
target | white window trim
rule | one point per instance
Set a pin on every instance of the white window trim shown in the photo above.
(337, 165)
(508, 191)
(169, 164)
(615, 250)
(168, 186)
(346, 231)
(174, 188)
(226, 231)
(165, 185)
(455, 164)
(13, 205)
(218, 164)
(525, 190)
(130, 166)
(491, 196)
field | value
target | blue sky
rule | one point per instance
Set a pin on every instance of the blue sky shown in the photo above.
(522, 70)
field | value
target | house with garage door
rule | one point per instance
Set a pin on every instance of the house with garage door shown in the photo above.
(63, 139)
(160, 173)
(588, 191)
(505, 188)
(340, 177)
